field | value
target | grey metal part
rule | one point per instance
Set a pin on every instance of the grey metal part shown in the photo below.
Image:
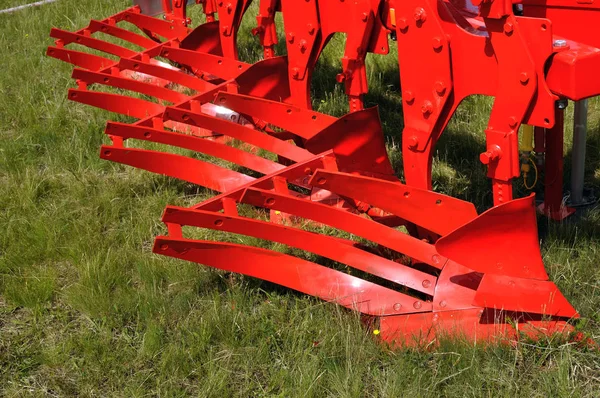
(153, 7)
(578, 154)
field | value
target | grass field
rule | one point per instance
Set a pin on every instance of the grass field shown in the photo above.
(87, 309)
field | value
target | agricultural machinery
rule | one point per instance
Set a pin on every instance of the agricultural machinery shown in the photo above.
(418, 263)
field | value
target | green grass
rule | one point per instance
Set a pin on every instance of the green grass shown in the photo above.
(87, 309)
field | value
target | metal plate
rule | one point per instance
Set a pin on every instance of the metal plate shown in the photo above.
(153, 7)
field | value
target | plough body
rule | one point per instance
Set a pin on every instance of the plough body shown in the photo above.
(422, 263)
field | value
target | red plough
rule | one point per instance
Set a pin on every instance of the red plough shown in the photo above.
(421, 263)
(479, 278)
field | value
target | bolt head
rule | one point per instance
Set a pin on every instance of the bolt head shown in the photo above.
(509, 28)
(440, 88)
(290, 37)
(524, 77)
(402, 24)
(420, 14)
(560, 43)
(426, 107)
(437, 43)
(409, 97)
(413, 142)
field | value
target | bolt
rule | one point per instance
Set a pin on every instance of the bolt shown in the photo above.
(225, 30)
(436, 259)
(409, 97)
(229, 8)
(493, 154)
(295, 73)
(560, 43)
(291, 37)
(417, 305)
(420, 15)
(364, 17)
(562, 104)
(340, 77)
(437, 43)
(397, 307)
(426, 283)
(413, 142)
(443, 303)
(440, 88)
(402, 24)
(426, 107)
(509, 28)
(302, 46)
(512, 122)
(311, 29)
(524, 77)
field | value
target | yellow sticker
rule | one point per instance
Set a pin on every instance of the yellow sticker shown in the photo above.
(277, 212)
(376, 332)
(393, 17)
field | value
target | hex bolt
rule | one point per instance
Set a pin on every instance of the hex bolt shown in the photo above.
(311, 29)
(509, 28)
(291, 37)
(560, 43)
(295, 73)
(302, 46)
(409, 97)
(340, 77)
(512, 122)
(524, 77)
(426, 107)
(402, 24)
(491, 155)
(437, 43)
(420, 15)
(413, 142)
(364, 17)
(440, 88)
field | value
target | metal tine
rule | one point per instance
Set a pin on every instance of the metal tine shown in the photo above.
(120, 33)
(438, 213)
(225, 68)
(91, 42)
(343, 251)
(294, 172)
(295, 273)
(261, 193)
(166, 29)
(138, 86)
(117, 103)
(299, 121)
(167, 73)
(196, 171)
(193, 143)
(245, 134)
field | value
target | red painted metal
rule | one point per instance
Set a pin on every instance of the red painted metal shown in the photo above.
(464, 288)
(248, 132)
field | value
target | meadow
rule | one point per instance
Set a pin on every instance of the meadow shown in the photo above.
(86, 309)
